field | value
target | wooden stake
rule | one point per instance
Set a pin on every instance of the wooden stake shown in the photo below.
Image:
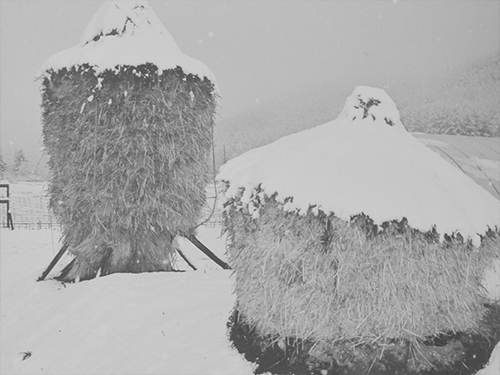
(53, 263)
(186, 259)
(207, 252)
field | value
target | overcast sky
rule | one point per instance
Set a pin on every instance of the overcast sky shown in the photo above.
(256, 49)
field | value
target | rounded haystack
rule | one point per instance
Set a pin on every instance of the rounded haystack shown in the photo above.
(354, 231)
(128, 126)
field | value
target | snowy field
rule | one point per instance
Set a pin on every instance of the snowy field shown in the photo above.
(154, 323)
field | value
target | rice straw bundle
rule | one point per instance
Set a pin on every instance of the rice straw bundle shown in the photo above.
(129, 153)
(316, 277)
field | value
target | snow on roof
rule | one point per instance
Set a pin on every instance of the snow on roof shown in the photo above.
(126, 32)
(365, 162)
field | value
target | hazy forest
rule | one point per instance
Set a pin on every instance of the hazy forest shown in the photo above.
(465, 101)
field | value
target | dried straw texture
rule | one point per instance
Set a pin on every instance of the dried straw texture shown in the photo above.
(129, 160)
(320, 278)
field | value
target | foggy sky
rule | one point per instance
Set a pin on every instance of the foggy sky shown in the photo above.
(256, 49)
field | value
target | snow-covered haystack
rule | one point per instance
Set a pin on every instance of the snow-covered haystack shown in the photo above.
(128, 125)
(355, 230)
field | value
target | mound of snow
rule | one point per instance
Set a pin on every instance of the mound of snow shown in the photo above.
(126, 33)
(148, 323)
(365, 162)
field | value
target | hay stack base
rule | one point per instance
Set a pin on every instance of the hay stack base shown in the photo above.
(316, 276)
(317, 282)
(129, 158)
(451, 354)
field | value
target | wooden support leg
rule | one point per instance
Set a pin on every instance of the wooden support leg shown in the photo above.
(53, 263)
(207, 252)
(186, 259)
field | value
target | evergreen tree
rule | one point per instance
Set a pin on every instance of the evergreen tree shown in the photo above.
(3, 166)
(19, 160)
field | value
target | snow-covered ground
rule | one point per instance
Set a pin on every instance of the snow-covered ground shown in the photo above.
(153, 323)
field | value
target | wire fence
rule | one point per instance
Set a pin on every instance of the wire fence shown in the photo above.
(37, 223)
(32, 226)
(29, 209)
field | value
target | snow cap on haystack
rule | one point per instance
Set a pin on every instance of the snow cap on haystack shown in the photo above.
(364, 162)
(126, 32)
(372, 103)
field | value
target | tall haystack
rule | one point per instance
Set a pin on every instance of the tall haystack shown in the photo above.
(128, 126)
(355, 231)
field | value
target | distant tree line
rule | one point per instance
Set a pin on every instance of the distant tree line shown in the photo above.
(448, 120)
(19, 160)
(3, 167)
(17, 167)
(466, 103)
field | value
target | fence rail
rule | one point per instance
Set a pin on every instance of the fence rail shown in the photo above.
(32, 225)
(29, 209)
